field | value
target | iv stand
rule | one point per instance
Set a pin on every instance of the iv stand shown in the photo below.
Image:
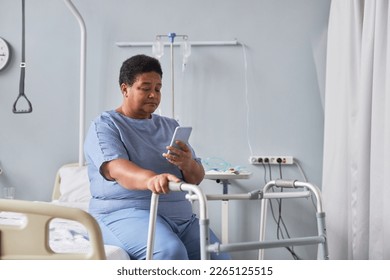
(172, 37)
(172, 43)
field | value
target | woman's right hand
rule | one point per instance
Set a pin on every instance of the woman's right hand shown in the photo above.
(159, 184)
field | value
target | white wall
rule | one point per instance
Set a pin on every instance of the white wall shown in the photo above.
(285, 43)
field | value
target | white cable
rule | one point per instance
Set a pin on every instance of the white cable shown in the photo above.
(246, 96)
(296, 162)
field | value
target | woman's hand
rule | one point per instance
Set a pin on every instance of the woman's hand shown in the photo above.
(159, 184)
(193, 171)
(181, 157)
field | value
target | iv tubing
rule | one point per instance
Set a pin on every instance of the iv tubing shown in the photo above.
(83, 50)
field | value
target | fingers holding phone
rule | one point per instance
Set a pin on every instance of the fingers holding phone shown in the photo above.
(178, 153)
(178, 156)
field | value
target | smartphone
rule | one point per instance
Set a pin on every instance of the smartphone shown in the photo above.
(182, 133)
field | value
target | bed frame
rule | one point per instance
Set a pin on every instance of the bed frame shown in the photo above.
(35, 230)
(31, 239)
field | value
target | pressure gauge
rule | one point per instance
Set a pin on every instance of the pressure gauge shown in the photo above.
(5, 53)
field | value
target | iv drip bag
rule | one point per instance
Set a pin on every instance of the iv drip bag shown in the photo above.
(158, 48)
(185, 48)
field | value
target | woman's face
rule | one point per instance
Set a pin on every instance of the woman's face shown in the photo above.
(143, 97)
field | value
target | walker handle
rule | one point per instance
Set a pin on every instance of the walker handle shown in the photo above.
(285, 183)
(175, 187)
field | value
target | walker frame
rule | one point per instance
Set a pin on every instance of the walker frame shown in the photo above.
(195, 193)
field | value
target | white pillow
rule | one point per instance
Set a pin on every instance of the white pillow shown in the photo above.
(74, 185)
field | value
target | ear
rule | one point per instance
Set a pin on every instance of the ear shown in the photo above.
(124, 89)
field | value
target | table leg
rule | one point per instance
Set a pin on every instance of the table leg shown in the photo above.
(225, 214)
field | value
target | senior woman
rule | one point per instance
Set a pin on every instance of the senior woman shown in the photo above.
(126, 153)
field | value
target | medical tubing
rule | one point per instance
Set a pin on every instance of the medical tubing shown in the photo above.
(83, 52)
(246, 97)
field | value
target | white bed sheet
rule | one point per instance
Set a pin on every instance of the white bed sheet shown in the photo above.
(66, 236)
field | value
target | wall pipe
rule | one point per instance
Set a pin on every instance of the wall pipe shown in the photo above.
(83, 51)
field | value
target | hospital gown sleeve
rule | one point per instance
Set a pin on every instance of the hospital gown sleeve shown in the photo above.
(103, 143)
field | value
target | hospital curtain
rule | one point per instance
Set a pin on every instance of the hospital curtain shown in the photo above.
(356, 163)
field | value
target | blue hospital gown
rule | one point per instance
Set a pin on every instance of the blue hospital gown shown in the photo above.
(142, 141)
(123, 214)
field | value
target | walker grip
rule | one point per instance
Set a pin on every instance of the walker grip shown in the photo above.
(175, 187)
(285, 183)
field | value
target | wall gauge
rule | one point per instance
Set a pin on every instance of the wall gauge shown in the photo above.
(5, 53)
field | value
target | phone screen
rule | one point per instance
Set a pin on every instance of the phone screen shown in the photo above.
(182, 133)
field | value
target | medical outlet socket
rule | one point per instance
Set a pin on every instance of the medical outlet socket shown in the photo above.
(271, 159)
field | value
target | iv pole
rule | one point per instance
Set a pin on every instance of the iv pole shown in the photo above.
(159, 48)
(172, 37)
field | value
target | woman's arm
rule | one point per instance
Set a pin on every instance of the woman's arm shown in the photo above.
(133, 177)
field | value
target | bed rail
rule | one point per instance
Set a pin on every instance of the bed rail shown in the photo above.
(30, 240)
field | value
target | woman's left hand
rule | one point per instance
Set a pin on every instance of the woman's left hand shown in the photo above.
(180, 157)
